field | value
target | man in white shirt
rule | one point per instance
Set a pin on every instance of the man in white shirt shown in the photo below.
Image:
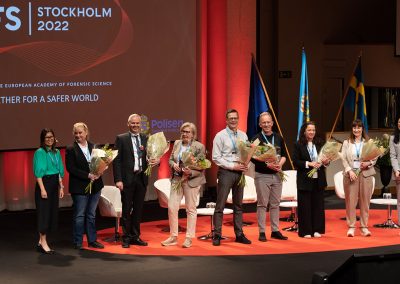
(225, 156)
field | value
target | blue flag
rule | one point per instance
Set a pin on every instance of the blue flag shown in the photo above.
(257, 101)
(355, 99)
(304, 105)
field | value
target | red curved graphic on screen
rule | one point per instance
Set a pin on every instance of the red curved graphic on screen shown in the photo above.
(66, 59)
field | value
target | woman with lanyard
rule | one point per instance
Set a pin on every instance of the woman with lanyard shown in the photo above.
(77, 159)
(310, 190)
(394, 145)
(357, 188)
(49, 171)
(190, 186)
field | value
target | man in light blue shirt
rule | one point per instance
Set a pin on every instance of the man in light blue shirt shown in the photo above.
(225, 156)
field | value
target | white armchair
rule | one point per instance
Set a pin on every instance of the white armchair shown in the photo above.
(339, 187)
(110, 205)
(163, 189)
(289, 197)
(338, 181)
(249, 192)
(249, 195)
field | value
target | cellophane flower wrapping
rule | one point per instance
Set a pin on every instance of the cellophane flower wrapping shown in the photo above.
(99, 162)
(157, 146)
(330, 151)
(245, 152)
(371, 150)
(268, 153)
(194, 160)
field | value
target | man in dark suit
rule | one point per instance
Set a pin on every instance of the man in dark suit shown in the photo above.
(129, 177)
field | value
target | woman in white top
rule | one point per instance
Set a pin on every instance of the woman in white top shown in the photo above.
(394, 146)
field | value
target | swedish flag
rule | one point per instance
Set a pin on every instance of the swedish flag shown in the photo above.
(304, 104)
(355, 99)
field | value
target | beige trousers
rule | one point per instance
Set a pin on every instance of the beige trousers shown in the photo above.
(175, 197)
(359, 191)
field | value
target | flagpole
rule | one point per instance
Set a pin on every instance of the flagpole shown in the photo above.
(272, 110)
(345, 95)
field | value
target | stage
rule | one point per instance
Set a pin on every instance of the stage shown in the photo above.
(291, 261)
(334, 239)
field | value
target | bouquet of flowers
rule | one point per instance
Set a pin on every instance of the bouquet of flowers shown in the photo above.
(384, 160)
(371, 150)
(268, 154)
(330, 151)
(99, 162)
(245, 152)
(157, 146)
(194, 160)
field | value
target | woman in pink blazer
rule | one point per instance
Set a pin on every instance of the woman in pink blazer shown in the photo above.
(190, 187)
(357, 188)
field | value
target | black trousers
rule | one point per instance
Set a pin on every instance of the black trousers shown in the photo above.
(228, 180)
(47, 208)
(311, 210)
(132, 198)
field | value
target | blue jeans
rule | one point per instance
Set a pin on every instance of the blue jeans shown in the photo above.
(84, 207)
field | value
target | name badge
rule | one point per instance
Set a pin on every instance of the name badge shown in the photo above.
(357, 164)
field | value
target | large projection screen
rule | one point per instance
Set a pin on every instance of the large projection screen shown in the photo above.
(96, 62)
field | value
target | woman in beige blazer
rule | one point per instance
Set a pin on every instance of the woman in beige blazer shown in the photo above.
(190, 187)
(357, 188)
(394, 146)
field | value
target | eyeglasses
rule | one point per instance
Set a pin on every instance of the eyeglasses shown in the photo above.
(233, 118)
(49, 137)
(186, 131)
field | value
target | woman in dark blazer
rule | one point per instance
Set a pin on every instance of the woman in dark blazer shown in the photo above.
(310, 190)
(77, 160)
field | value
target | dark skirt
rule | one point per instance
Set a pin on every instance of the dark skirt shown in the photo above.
(47, 209)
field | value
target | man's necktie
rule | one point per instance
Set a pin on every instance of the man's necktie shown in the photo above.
(139, 152)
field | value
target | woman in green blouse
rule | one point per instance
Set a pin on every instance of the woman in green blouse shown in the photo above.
(49, 171)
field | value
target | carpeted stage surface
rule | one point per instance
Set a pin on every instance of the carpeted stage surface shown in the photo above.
(292, 261)
(334, 239)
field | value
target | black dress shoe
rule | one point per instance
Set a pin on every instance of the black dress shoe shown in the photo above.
(277, 235)
(216, 241)
(40, 249)
(125, 245)
(96, 244)
(76, 246)
(138, 242)
(262, 237)
(242, 239)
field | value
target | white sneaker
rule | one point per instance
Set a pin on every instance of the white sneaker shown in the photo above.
(187, 243)
(171, 241)
(317, 235)
(307, 237)
(350, 232)
(365, 232)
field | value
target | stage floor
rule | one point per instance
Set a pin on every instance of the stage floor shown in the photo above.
(334, 239)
